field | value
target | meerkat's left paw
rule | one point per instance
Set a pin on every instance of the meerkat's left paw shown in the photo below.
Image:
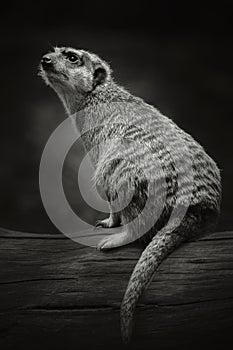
(106, 223)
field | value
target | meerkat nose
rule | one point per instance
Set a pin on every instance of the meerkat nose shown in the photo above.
(46, 61)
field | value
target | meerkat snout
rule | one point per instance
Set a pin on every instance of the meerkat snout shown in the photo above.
(46, 61)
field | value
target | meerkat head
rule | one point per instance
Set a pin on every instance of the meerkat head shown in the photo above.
(73, 73)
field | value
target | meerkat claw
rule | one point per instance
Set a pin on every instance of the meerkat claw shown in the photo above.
(99, 223)
(106, 243)
(114, 241)
(106, 223)
(102, 223)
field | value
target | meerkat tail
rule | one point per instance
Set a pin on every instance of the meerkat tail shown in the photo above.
(158, 249)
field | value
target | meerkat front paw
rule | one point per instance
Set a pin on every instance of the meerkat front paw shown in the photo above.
(106, 223)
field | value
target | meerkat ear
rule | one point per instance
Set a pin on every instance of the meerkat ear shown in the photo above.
(100, 70)
(99, 75)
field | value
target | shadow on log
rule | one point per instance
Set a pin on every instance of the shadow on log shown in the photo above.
(55, 293)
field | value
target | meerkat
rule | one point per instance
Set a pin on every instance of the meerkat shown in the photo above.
(128, 173)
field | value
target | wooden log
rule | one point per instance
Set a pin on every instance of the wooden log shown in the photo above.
(57, 293)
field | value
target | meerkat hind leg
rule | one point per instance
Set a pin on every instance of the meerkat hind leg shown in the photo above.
(115, 240)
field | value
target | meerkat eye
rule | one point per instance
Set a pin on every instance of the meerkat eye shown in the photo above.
(72, 57)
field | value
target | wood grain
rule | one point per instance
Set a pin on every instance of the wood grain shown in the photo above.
(57, 293)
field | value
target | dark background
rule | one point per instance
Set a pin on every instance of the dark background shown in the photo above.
(177, 57)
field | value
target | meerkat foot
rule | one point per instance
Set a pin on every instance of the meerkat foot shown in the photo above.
(114, 241)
